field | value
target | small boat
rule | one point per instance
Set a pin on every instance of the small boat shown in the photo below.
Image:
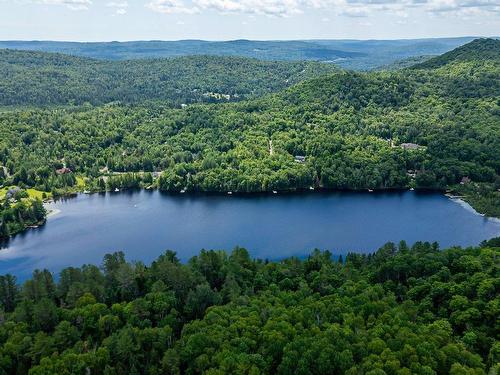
(275, 192)
(411, 189)
(311, 188)
(229, 193)
(370, 190)
(183, 191)
(117, 190)
(86, 192)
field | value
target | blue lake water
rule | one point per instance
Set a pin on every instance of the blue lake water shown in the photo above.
(145, 223)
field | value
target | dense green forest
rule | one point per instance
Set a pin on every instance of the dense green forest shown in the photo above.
(427, 128)
(44, 79)
(473, 51)
(401, 310)
(18, 211)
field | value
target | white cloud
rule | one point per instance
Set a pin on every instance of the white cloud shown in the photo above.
(280, 8)
(117, 4)
(349, 8)
(355, 11)
(120, 6)
(462, 6)
(72, 4)
(172, 6)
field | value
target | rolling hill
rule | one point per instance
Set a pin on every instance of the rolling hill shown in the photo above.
(44, 79)
(421, 128)
(475, 51)
(350, 54)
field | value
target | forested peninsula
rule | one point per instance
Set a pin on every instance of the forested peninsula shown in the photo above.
(121, 125)
(401, 310)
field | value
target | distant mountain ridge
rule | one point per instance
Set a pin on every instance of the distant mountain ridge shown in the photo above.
(479, 49)
(45, 79)
(351, 54)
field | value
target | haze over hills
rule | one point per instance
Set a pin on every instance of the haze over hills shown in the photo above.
(352, 54)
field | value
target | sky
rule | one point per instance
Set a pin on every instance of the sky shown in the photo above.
(122, 20)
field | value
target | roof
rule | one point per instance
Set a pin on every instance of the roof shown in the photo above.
(63, 170)
(410, 146)
(12, 191)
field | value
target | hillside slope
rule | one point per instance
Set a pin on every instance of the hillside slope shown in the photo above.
(419, 128)
(43, 79)
(475, 51)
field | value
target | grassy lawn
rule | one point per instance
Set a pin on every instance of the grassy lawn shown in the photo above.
(80, 183)
(33, 193)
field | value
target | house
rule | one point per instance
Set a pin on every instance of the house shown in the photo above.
(12, 192)
(300, 159)
(411, 173)
(465, 180)
(63, 170)
(410, 146)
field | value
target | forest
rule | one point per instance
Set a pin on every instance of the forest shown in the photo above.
(432, 126)
(18, 211)
(400, 310)
(47, 79)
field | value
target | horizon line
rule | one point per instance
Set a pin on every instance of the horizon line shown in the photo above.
(244, 39)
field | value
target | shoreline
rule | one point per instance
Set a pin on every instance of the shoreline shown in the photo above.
(52, 212)
(460, 199)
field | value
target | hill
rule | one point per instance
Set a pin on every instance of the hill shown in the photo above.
(413, 128)
(477, 50)
(400, 310)
(404, 63)
(44, 79)
(350, 54)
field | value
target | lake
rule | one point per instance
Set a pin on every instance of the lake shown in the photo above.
(145, 223)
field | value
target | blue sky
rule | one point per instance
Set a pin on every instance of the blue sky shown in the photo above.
(106, 20)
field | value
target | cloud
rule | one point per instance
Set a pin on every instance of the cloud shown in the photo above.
(348, 8)
(71, 4)
(120, 6)
(171, 6)
(462, 6)
(354, 12)
(279, 8)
